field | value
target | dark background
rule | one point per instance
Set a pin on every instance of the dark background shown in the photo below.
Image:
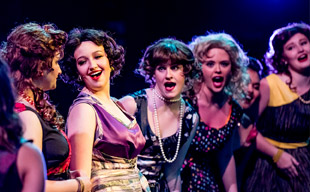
(137, 24)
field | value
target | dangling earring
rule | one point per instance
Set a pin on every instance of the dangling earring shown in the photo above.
(112, 68)
(79, 78)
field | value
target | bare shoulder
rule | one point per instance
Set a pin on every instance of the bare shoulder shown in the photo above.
(29, 149)
(29, 117)
(129, 104)
(82, 118)
(82, 110)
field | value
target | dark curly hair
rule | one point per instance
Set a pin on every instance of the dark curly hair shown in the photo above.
(274, 55)
(10, 127)
(29, 50)
(115, 53)
(162, 51)
(239, 79)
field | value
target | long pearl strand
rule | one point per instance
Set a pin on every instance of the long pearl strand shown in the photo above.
(158, 131)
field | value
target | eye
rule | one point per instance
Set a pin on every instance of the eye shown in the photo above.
(175, 67)
(160, 68)
(209, 63)
(81, 62)
(256, 86)
(98, 56)
(304, 42)
(290, 48)
(225, 63)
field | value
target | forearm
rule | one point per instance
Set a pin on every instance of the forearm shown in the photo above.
(264, 146)
(65, 185)
(229, 178)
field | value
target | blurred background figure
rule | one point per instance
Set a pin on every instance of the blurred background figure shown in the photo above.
(22, 165)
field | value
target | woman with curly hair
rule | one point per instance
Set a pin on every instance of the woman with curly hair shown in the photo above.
(32, 51)
(105, 138)
(22, 165)
(210, 164)
(284, 110)
(168, 123)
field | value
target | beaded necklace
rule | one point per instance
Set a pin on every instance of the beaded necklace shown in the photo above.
(27, 98)
(158, 131)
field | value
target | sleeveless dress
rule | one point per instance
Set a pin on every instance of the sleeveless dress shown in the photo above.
(9, 177)
(115, 150)
(286, 124)
(210, 152)
(56, 148)
(150, 161)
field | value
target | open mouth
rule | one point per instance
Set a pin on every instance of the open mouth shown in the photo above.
(169, 86)
(95, 75)
(303, 58)
(249, 98)
(218, 81)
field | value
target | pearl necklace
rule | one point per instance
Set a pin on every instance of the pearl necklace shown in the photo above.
(166, 100)
(303, 101)
(158, 131)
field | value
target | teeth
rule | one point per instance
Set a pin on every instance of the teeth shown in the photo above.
(96, 73)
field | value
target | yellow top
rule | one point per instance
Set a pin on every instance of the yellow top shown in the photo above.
(280, 93)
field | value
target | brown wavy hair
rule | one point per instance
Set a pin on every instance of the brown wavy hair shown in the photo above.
(274, 55)
(10, 127)
(115, 54)
(29, 50)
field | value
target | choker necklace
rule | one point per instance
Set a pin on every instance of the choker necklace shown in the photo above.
(158, 131)
(27, 98)
(166, 100)
(303, 101)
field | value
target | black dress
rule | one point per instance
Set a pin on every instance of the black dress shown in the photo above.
(210, 153)
(55, 148)
(286, 120)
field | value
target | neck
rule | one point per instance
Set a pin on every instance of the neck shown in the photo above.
(301, 81)
(208, 97)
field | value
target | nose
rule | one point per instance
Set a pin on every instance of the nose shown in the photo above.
(218, 68)
(59, 70)
(168, 73)
(250, 88)
(92, 64)
(300, 48)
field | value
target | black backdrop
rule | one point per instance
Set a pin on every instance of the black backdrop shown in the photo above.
(135, 24)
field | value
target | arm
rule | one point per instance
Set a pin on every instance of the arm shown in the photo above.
(32, 127)
(81, 125)
(286, 160)
(172, 170)
(229, 177)
(31, 168)
(129, 104)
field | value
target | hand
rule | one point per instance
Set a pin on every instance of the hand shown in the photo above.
(288, 164)
(77, 173)
(87, 183)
